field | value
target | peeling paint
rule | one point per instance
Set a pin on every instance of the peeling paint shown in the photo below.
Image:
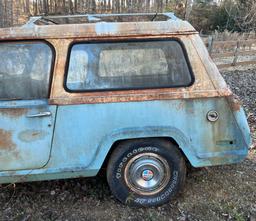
(25, 143)
(13, 112)
(6, 142)
(101, 29)
(116, 28)
(84, 133)
(234, 102)
(32, 135)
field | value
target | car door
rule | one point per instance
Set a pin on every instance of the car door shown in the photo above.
(26, 119)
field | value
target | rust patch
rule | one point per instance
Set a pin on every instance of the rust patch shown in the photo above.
(6, 142)
(113, 98)
(202, 88)
(31, 135)
(116, 29)
(13, 112)
(234, 103)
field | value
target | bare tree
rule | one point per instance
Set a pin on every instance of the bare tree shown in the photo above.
(14, 12)
(189, 6)
(246, 15)
(243, 13)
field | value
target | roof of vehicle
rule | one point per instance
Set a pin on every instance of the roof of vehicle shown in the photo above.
(99, 25)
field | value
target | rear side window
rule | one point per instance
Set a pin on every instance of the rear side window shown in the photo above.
(25, 70)
(127, 65)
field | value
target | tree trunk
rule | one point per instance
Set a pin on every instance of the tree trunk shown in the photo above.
(188, 10)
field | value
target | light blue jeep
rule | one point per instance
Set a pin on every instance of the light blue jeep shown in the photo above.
(137, 93)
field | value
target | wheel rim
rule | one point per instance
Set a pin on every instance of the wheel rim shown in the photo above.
(147, 174)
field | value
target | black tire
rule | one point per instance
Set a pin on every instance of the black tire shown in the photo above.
(133, 156)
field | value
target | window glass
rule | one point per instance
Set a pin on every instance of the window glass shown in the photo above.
(110, 61)
(128, 65)
(78, 67)
(24, 70)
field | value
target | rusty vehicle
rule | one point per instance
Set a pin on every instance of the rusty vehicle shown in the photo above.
(137, 93)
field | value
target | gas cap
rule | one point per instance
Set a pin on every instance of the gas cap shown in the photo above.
(212, 116)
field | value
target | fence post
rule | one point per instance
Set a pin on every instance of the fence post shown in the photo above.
(210, 44)
(236, 55)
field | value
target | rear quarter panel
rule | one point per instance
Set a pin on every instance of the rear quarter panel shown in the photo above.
(85, 133)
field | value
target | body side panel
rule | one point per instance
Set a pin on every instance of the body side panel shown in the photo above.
(87, 124)
(84, 134)
(84, 131)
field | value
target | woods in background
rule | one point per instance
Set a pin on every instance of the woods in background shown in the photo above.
(15, 12)
(205, 15)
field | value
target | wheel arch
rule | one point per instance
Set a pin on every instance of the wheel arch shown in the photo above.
(118, 142)
(110, 143)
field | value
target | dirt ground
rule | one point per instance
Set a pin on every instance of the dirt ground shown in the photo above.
(218, 193)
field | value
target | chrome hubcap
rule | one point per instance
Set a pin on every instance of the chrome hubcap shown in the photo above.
(147, 173)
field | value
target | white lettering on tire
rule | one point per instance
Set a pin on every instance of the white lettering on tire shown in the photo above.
(163, 195)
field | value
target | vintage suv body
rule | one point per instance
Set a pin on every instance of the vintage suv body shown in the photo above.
(136, 92)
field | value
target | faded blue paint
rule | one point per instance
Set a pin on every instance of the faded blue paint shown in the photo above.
(103, 28)
(106, 123)
(23, 103)
(84, 134)
(171, 16)
(241, 121)
(25, 142)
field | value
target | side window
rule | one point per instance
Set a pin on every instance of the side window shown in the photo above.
(127, 65)
(25, 70)
(78, 67)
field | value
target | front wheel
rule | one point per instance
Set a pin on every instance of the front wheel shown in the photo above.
(146, 172)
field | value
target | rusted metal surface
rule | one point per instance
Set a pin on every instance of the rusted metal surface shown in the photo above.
(32, 135)
(25, 143)
(101, 29)
(96, 18)
(208, 81)
(75, 138)
(62, 36)
(13, 113)
(133, 96)
(234, 102)
(6, 142)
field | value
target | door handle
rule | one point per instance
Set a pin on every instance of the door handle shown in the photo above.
(40, 114)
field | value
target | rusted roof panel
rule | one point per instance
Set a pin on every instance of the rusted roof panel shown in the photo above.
(98, 29)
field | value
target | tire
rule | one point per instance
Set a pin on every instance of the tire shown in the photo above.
(146, 172)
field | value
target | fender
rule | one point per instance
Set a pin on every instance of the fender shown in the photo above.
(142, 132)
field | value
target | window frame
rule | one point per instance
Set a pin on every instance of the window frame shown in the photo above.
(126, 41)
(53, 61)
